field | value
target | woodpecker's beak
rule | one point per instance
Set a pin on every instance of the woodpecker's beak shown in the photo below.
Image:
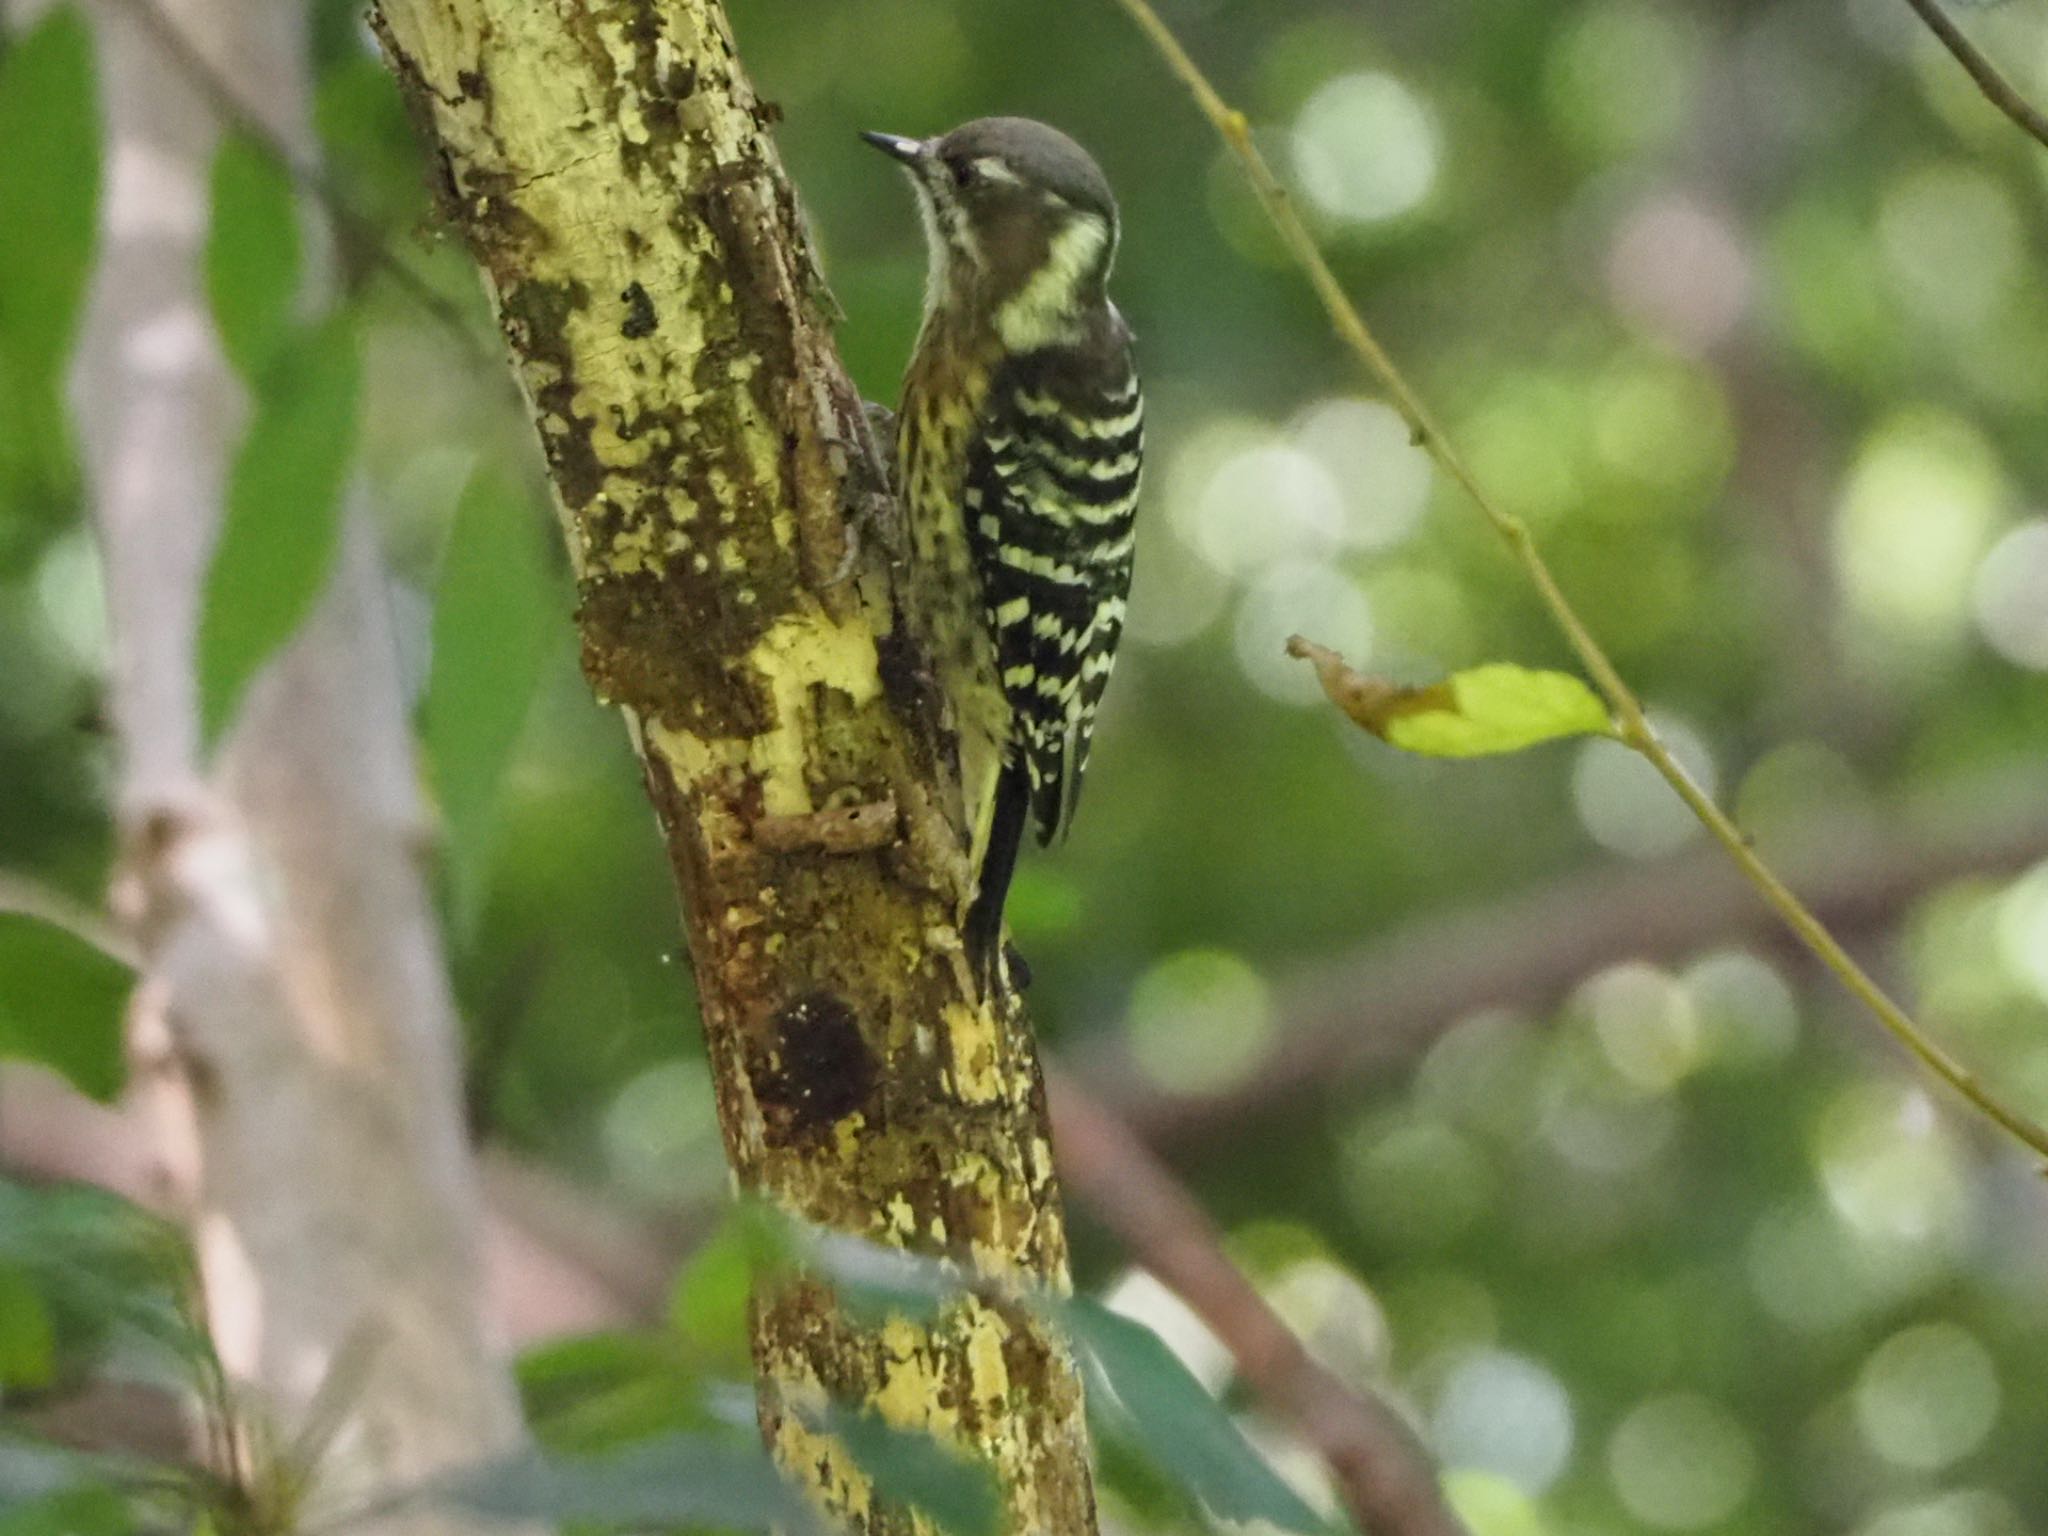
(910, 151)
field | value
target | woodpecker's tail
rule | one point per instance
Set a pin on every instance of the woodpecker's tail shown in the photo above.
(984, 932)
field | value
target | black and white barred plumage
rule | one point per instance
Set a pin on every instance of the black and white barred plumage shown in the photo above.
(1051, 499)
(1020, 448)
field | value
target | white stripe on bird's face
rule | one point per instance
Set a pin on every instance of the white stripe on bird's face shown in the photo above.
(948, 233)
(1046, 310)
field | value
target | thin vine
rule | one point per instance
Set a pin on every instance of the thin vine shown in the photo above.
(1632, 728)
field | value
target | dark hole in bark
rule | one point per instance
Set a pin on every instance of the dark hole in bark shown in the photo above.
(821, 1069)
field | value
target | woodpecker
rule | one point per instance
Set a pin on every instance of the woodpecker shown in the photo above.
(1018, 448)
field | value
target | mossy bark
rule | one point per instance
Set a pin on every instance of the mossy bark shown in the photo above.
(742, 604)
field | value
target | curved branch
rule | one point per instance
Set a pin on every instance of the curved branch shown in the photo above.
(1380, 1470)
(1996, 88)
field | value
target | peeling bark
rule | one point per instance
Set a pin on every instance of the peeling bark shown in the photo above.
(609, 166)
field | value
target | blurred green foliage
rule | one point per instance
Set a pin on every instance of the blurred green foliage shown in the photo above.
(48, 201)
(62, 1003)
(282, 527)
(1736, 304)
(252, 254)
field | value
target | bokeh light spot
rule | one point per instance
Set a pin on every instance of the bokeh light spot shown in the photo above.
(1927, 1396)
(1952, 244)
(1415, 1182)
(1917, 512)
(1490, 1505)
(1331, 1310)
(1383, 479)
(1681, 1462)
(1267, 503)
(1746, 1011)
(1525, 436)
(1593, 1118)
(72, 595)
(1646, 1025)
(1365, 148)
(1679, 271)
(1890, 1166)
(1307, 599)
(1963, 1512)
(1794, 1259)
(1626, 806)
(1621, 79)
(1421, 618)
(2023, 930)
(1504, 1413)
(1178, 594)
(1199, 1021)
(2011, 596)
(1662, 423)
(661, 1131)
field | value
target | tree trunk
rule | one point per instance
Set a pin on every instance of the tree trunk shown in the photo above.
(609, 166)
(294, 1016)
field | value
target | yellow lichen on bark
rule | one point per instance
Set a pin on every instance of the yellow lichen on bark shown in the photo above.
(609, 167)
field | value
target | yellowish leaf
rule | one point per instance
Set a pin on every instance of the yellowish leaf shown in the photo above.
(1481, 712)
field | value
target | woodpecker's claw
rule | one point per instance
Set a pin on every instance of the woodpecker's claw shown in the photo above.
(999, 971)
(882, 428)
(982, 934)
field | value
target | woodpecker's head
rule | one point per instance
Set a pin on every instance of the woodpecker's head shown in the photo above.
(1020, 222)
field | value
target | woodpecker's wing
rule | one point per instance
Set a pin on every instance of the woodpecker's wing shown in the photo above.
(1050, 498)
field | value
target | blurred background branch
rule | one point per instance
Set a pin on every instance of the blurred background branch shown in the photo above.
(1375, 1460)
(358, 234)
(1372, 1014)
(292, 1025)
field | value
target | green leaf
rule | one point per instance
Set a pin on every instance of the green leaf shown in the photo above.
(677, 1480)
(49, 191)
(28, 1339)
(497, 616)
(77, 1510)
(49, 208)
(61, 1001)
(1496, 709)
(252, 254)
(1180, 1426)
(1482, 712)
(99, 1261)
(283, 523)
(908, 1467)
(594, 1392)
(32, 1471)
(708, 1306)
(874, 1282)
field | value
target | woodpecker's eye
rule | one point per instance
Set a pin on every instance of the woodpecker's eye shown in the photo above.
(965, 172)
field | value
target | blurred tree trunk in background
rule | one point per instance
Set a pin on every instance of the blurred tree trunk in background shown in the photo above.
(293, 1022)
(609, 168)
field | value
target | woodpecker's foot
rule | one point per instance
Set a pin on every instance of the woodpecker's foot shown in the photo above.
(882, 425)
(1000, 974)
